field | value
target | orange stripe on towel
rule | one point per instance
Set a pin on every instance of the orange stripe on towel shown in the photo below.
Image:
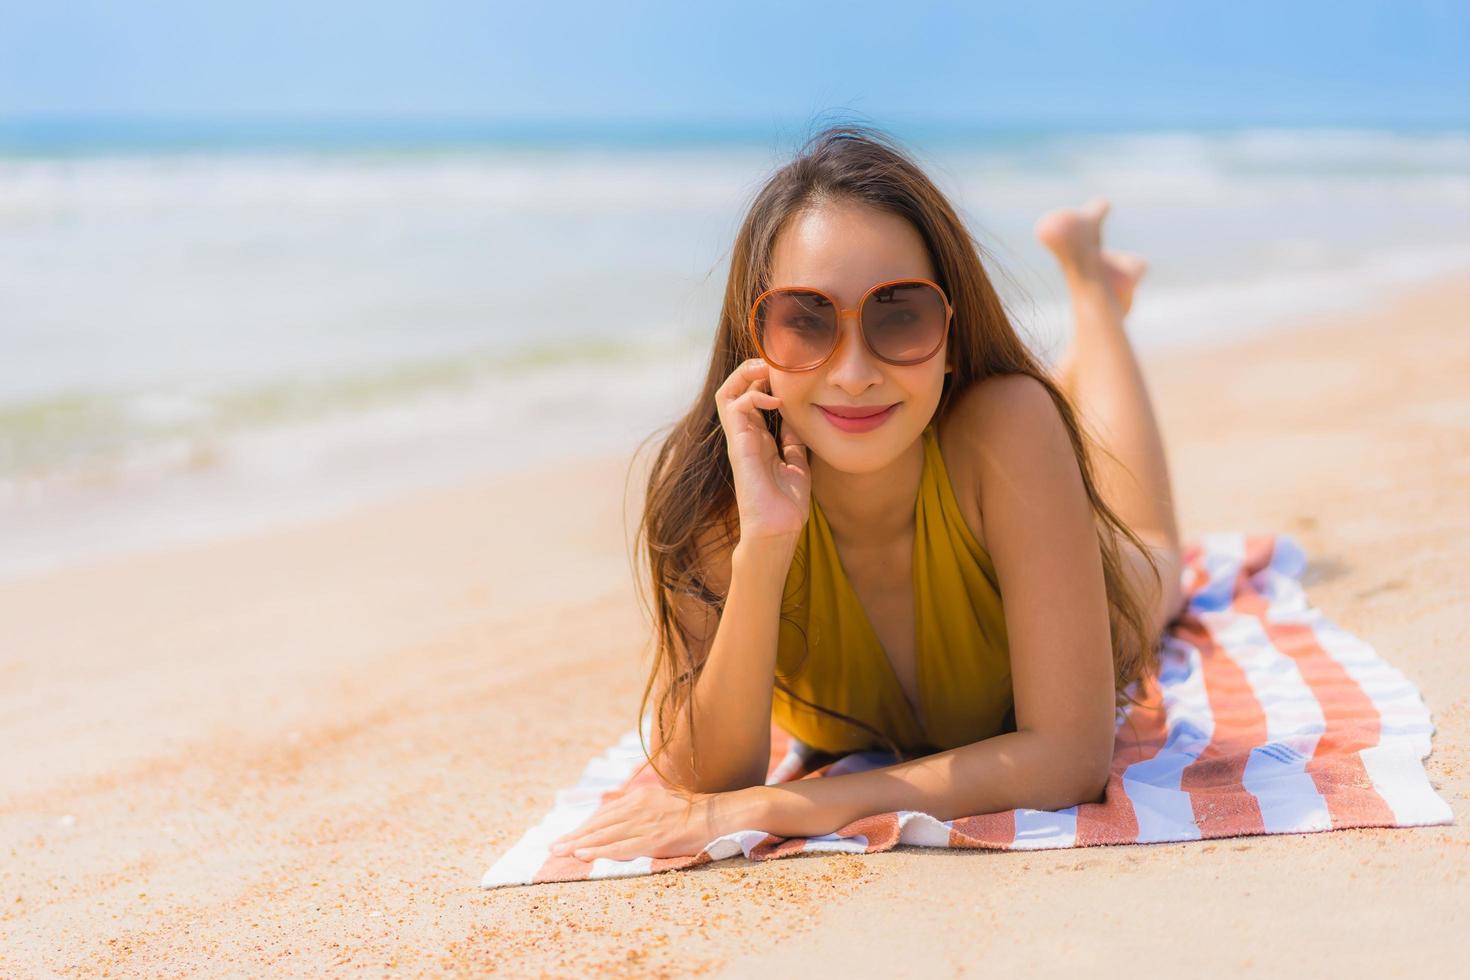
(1353, 722)
(1222, 806)
(1143, 732)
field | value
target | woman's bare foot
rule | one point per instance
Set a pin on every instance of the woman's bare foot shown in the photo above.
(1123, 270)
(1101, 375)
(1074, 236)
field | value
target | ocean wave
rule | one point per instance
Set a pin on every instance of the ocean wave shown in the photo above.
(672, 179)
(581, 182)
(225, 329)
(97, 437)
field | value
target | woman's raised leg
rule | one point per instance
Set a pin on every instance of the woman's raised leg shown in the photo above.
(1104, 380)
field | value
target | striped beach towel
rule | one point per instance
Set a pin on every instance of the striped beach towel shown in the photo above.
(1265, 718)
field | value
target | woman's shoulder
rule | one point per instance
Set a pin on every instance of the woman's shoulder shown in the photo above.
(988, 413)
(1000, 399)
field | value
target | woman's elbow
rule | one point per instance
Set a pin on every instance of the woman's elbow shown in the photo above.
(1095, 788)
(1084, 776)
(702, 780)
(1092, 784)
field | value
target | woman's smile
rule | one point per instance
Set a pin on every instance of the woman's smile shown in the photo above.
(857, 418)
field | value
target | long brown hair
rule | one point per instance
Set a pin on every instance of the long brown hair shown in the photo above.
(691, 486)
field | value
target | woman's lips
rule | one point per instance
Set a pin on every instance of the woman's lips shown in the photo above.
(866, 423)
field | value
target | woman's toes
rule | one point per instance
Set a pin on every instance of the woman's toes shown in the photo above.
(1074, 235)
(1096, 209)
(1056, 228)
(1123, 270)
(1130, 264)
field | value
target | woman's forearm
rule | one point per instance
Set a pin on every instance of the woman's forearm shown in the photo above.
(1015, 769)
(732, 697)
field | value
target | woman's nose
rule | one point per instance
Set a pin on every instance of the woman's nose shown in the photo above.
(852, 366)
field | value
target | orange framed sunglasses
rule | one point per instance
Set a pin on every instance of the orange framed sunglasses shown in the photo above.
(902, 322)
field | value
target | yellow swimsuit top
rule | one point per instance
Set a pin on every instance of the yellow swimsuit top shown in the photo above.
(829, 654)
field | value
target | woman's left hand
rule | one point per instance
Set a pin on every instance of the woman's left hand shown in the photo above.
(655, 821)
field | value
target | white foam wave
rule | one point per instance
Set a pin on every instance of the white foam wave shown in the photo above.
(173, 278)
(578, 183)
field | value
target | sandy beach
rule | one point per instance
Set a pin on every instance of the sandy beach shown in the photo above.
(295, 752)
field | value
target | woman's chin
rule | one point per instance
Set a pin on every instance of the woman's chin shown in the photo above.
(859, 453)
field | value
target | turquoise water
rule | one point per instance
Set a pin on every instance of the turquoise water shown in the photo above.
(231, 320)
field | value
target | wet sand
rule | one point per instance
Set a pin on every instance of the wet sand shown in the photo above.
(295, 752)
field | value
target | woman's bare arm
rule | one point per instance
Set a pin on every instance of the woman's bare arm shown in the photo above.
(1043, 539)
(731, 739)
(732, 696)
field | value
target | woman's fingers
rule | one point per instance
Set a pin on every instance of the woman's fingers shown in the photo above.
(740, 399)
(793, 450)
(752, 396)
(738, 383)
(609, 813)
(764, 488)
(595, 838)
(747, 374)
(745, 405)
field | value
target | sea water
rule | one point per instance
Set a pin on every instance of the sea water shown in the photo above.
(204, 336)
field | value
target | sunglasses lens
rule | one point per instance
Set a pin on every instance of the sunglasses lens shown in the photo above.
(905, 321)
(796, 328)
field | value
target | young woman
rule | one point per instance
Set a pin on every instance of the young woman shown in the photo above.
(884, 524)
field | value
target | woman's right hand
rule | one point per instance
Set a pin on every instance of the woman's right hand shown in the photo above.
(772, 485)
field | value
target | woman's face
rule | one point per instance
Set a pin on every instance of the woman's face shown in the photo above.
(843, 249)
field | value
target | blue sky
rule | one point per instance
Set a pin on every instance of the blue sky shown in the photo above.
(1170, 63)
